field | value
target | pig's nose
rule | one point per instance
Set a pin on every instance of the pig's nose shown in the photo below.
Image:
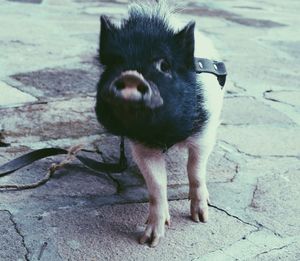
(131, 86)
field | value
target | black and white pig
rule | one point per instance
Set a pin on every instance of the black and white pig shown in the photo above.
(149, 92)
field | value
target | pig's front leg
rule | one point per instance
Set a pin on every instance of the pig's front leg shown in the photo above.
(199, 151)
(151, 163)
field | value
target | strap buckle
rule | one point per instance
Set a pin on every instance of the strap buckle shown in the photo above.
(203, 65)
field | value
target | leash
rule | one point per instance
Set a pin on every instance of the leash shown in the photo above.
(71, 154)
(202, 65)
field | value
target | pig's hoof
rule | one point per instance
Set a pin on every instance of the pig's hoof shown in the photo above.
(155, 230)
(199, 210)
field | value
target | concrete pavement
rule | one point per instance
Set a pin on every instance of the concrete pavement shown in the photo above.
(47, 87)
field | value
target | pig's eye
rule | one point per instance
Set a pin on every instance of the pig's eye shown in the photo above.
(163, 66)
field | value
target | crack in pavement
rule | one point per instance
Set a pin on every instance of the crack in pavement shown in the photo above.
(237, 167)
(253, 155)
(245, 237)
(269, 229)
(11, 218)
(233, 216)
(222, 249)
(274, 249)
(252, 204)
(236, 149)
(236, 85)
(235, 124)
(209, 253)
(275, 100)
(257, 225)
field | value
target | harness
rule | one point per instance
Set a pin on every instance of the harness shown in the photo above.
(203, 65)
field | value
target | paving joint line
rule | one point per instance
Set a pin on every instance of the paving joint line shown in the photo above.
(11, 218)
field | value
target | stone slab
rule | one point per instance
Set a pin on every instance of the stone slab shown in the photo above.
(111, 233)
(275, 202)
(44, 43)
(11, 97)
(236, 195)
(204, 10)
(59, 82)
(262, 140)
(72, 118)
(253, 247)
(245, 110)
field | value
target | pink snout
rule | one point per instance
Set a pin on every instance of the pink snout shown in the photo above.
(131, 87)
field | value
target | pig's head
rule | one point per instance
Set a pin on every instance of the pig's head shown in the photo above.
(148, 89)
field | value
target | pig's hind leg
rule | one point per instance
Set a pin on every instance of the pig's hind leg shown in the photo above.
(151, 163)
(201, 145)
(199, 149)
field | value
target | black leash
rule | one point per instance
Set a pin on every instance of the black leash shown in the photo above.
(28, 159)
(36, 155)
(202, 65)
(107, 167)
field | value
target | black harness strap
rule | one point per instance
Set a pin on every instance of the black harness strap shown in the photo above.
(218, 69)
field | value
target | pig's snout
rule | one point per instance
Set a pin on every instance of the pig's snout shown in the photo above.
(131, 87)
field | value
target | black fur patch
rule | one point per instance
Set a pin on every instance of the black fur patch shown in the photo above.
(137, 45)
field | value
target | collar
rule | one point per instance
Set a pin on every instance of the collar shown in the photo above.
(203, 65)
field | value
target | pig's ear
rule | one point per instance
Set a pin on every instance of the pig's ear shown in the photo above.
(186, 41)
(106, 24)
(106, 28)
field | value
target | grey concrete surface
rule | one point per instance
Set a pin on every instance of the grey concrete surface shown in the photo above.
(48, 73)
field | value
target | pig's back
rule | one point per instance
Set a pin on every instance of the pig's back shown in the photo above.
(212, 92)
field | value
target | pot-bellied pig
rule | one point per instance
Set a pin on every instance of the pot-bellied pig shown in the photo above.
(150, 93)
